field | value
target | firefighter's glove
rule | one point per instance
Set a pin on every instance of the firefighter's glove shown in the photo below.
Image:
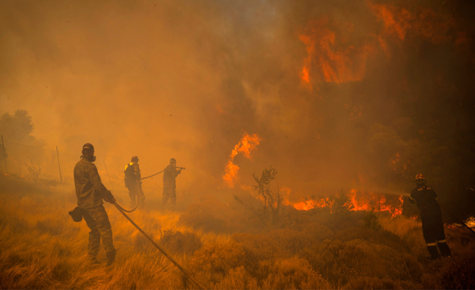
(107, 196)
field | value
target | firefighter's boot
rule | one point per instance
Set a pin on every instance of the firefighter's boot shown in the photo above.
(434, 253)
(110, 258)
(444, 248)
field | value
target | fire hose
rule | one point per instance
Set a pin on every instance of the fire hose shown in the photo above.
(122, 211)
(453, 215)
(181, 168)
(152, 175)
(457, 218)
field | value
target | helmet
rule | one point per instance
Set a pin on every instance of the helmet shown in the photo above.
(420, 177)
(87, 148)
(172, 160)
(134, 159)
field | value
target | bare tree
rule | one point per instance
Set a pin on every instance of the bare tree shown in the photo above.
(35, 171)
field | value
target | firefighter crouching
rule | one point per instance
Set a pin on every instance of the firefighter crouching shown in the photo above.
(432, 226)
(90, 191)
(133, 183)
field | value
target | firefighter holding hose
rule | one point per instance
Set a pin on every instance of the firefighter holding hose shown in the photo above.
(90, 192)
(169, 182)
(432, 226)
(132, 178)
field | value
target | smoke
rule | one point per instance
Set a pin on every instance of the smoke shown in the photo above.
(185, 79)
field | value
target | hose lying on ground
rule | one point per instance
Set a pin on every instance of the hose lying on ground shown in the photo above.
(157, 246)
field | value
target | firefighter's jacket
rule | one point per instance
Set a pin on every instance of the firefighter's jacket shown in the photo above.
(89, 188)
(425, 198)
(169, 175)
(132, 175)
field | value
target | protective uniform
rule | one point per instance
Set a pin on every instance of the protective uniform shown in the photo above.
(90, 191)
(133, 183)
(432, 226)
(169, 184)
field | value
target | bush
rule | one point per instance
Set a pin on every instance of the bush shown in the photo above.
(216, 260)
(340, 262)
(293, 273)
(237, 278)
(180, 243)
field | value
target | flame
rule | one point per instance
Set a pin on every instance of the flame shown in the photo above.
(245, 146)
(331, 59)
(334, 64)
(231, 173)
(310, 204)
(359, 201)
(395, 22)
(426, 23)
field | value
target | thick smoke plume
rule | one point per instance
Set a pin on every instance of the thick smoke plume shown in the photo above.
(342, 94)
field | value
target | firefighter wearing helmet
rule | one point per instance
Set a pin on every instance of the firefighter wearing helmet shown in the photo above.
(432, 226)
(169, 182)
(132, 178)
(90, 192)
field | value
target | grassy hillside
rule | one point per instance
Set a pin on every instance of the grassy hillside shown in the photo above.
(221, 246)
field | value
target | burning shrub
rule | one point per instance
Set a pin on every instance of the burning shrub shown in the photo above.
(180, 243)
(340, 203)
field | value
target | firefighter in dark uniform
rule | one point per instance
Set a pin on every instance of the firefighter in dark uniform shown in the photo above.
(133, 183)
(90, 192)
(169, 183)
(432, 226)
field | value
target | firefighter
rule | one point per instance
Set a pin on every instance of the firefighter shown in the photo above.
(90, 192)
(432, 226)
(169, 183)
(132, 178)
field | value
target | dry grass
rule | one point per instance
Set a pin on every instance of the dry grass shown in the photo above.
(41, 247)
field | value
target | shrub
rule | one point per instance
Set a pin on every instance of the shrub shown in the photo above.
(458, 273)
(372, 283)
(371, 220)
(340, 262)
(237, 278)
(293, 273)
(217, 259)
(180, 243)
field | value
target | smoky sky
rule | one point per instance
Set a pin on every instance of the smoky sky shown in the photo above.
(186, 79)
